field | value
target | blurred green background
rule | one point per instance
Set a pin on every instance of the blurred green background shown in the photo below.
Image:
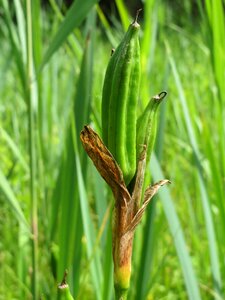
(54, 207)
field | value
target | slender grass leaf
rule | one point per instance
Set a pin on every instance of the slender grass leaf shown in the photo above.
(12, 145)
(82, 101)
(145, 264)
(89, 229)
(67, 198)
(89, 232)
(177, 233)
(73, 40)
(77, 253)
(108, 266)
(31, 94)
(36, 28)
(106, 26)
(13, 38)
(21, 22)
(12, 200)
(124, 16)
(75, 15)
(205, 201)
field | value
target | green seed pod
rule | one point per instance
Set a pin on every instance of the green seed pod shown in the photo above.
(119, 102)
(147, 126)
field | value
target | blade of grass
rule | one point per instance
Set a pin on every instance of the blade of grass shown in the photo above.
(106, 26)
(12, 35)
(100, 195)
(124, 16)
(12, 200)
(32, 97)
(36, 32)
(77, 253)
(205, 200)
(67, 198)
(16, 151)
(108, 290)
(148, 44)
(89, 231)
(81, 115)
(75, 15)
(22, 267)
(217, 184)
(74, 41)
(21, 28)
(82, 101)
(216, 18)
(147, 252)
(177, 233)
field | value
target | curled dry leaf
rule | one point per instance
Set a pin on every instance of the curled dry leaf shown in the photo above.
(105, 163)
(153, 189)
(149, 193)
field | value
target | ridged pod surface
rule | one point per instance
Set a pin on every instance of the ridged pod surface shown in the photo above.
(119, 102)
(147, 126)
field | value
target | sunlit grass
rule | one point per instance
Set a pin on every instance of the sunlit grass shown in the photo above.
(180, 246)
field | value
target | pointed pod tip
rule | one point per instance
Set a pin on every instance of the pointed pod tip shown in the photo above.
(135, 25)
(63, 283)
(160, 96)
(164, 181)
(135, 22)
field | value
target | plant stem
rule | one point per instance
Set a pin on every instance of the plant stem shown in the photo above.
(30, 94)
(121, 294)
(126, 215)
(122, 252)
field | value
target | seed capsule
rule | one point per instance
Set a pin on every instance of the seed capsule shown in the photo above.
(119, 102)
(147, 126)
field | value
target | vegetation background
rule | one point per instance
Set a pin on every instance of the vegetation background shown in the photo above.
(54, 208)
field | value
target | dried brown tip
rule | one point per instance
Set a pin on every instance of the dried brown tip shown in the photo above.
(63, 283)
(160, 96)
(135, 22)
(137, 15)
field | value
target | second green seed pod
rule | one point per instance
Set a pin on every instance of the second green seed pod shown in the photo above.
(147, 126)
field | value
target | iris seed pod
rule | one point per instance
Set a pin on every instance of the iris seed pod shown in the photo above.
(119, 102)
(147, 126)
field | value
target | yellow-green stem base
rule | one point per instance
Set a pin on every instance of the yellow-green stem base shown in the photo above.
(120, 293)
